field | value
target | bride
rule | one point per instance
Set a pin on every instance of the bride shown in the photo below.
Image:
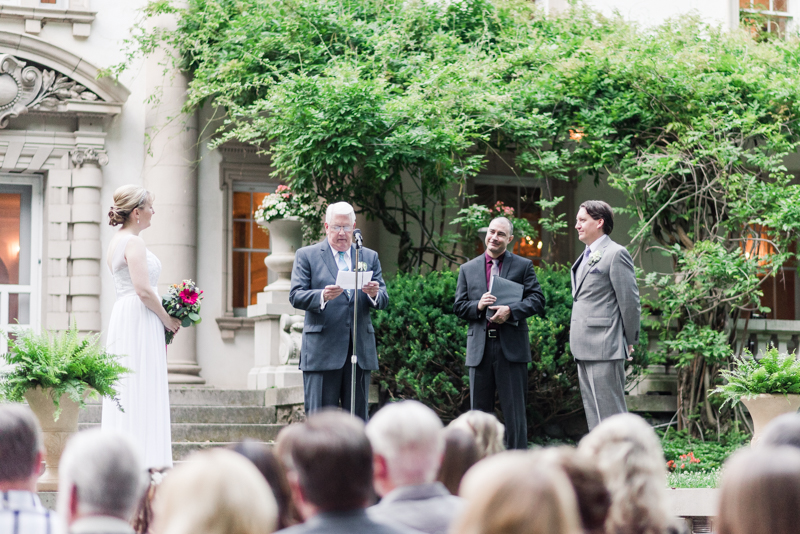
(136, 331)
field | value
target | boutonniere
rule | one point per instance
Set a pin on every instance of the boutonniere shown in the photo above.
(362, 267)
(595, 256)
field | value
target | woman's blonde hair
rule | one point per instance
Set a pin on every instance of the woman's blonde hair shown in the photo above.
(215, 492)
(760, 492)
(520, 498)
(628, 453)
(126, 199)
(488, 431)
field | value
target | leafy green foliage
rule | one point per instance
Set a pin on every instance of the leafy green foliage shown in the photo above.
(63, 362)
(685, 454)
(774, 373)
(694, 479)
(422, 344)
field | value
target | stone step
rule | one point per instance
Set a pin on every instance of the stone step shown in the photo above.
(215, 432)
(180, 451)
(207, 396)
(651, 403)
(201, 414)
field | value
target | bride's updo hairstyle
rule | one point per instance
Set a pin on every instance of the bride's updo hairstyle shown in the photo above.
(126, 199)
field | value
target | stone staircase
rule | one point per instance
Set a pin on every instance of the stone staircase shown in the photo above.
(205, 417)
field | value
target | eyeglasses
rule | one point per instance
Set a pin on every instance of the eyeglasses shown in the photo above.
(338, 229)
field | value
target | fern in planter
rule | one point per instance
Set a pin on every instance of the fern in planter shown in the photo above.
(61, 362)
(774, 373)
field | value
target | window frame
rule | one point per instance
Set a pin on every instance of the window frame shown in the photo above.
(246, 187)
(36, 255)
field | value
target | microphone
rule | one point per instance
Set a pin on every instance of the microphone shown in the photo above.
(357, 238)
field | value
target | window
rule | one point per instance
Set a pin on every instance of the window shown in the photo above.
(250, 248)
(765, 16)
(522, 198)
(20, 215)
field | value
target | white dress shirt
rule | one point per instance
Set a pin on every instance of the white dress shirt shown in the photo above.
(322, 301)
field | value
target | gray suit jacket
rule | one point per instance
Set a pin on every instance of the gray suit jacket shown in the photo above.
(351, 522)
(472, 285)
(429, 508)
(606, 308)
(326, 333)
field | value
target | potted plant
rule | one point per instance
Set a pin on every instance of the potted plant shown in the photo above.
(287, 217)
(55, 372)
(768, 387)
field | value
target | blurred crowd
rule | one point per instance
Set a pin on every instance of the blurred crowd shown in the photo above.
(403, 472)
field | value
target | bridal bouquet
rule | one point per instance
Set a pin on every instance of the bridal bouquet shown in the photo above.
(183, 302)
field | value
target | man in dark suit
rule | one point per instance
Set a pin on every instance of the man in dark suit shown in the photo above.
(328, 330)
(332, 477)
(605, 313)
(498, 349)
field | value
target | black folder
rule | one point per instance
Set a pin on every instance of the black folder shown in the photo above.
(507, 292)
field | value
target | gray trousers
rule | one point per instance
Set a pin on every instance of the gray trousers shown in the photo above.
(602, 389)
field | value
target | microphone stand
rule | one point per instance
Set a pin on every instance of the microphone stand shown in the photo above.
(353, 358)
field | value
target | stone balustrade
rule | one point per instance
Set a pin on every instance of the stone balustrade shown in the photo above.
(759, 334)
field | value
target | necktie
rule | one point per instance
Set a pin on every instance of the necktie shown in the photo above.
(344, 267)
(493, 272)
(585, 261)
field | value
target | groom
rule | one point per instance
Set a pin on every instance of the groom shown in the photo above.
(605, 313)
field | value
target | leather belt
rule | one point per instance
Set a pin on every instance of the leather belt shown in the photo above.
(492, 333)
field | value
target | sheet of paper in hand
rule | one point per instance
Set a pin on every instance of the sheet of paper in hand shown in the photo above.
(347, 279)
(507, 292)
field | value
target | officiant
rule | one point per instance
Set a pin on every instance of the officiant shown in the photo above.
(498, 348)
(328, 330)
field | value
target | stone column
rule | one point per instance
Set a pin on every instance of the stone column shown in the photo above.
(170, 172)
(86, 253)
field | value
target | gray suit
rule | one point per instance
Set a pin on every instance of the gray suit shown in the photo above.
(605, 320)
(429, 508)
(350, 522)
(327, 333)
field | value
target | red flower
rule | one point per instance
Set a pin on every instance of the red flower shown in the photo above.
(188, 296)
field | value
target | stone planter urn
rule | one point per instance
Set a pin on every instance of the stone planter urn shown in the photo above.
(54, 433)
(285, 237)
(766, 407)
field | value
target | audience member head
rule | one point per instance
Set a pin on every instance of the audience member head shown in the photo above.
(273, 472)
(760, 492)
(460, 453)
(593, 497)
(143, 516)
(20, 449)
(488, 431)
(507, 493)
(628, 453)
(215, 492)
(783, 430)
(99, 474)
(407, 445)
(332, 461)
(283, 446)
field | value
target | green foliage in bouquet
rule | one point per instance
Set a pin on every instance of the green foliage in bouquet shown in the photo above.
(63, 362)
(183, 302)
(774, 373)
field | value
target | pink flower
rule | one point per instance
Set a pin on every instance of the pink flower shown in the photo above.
(282, 188)
(188, 296)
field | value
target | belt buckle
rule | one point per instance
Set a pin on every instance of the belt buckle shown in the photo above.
(492, 333)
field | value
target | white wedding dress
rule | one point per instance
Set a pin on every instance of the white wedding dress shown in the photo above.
(137, 334)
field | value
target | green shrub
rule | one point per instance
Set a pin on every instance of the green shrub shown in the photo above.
(685, 454)
(774, 373)
(422, 344)
(422, 347)
(62, 362)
